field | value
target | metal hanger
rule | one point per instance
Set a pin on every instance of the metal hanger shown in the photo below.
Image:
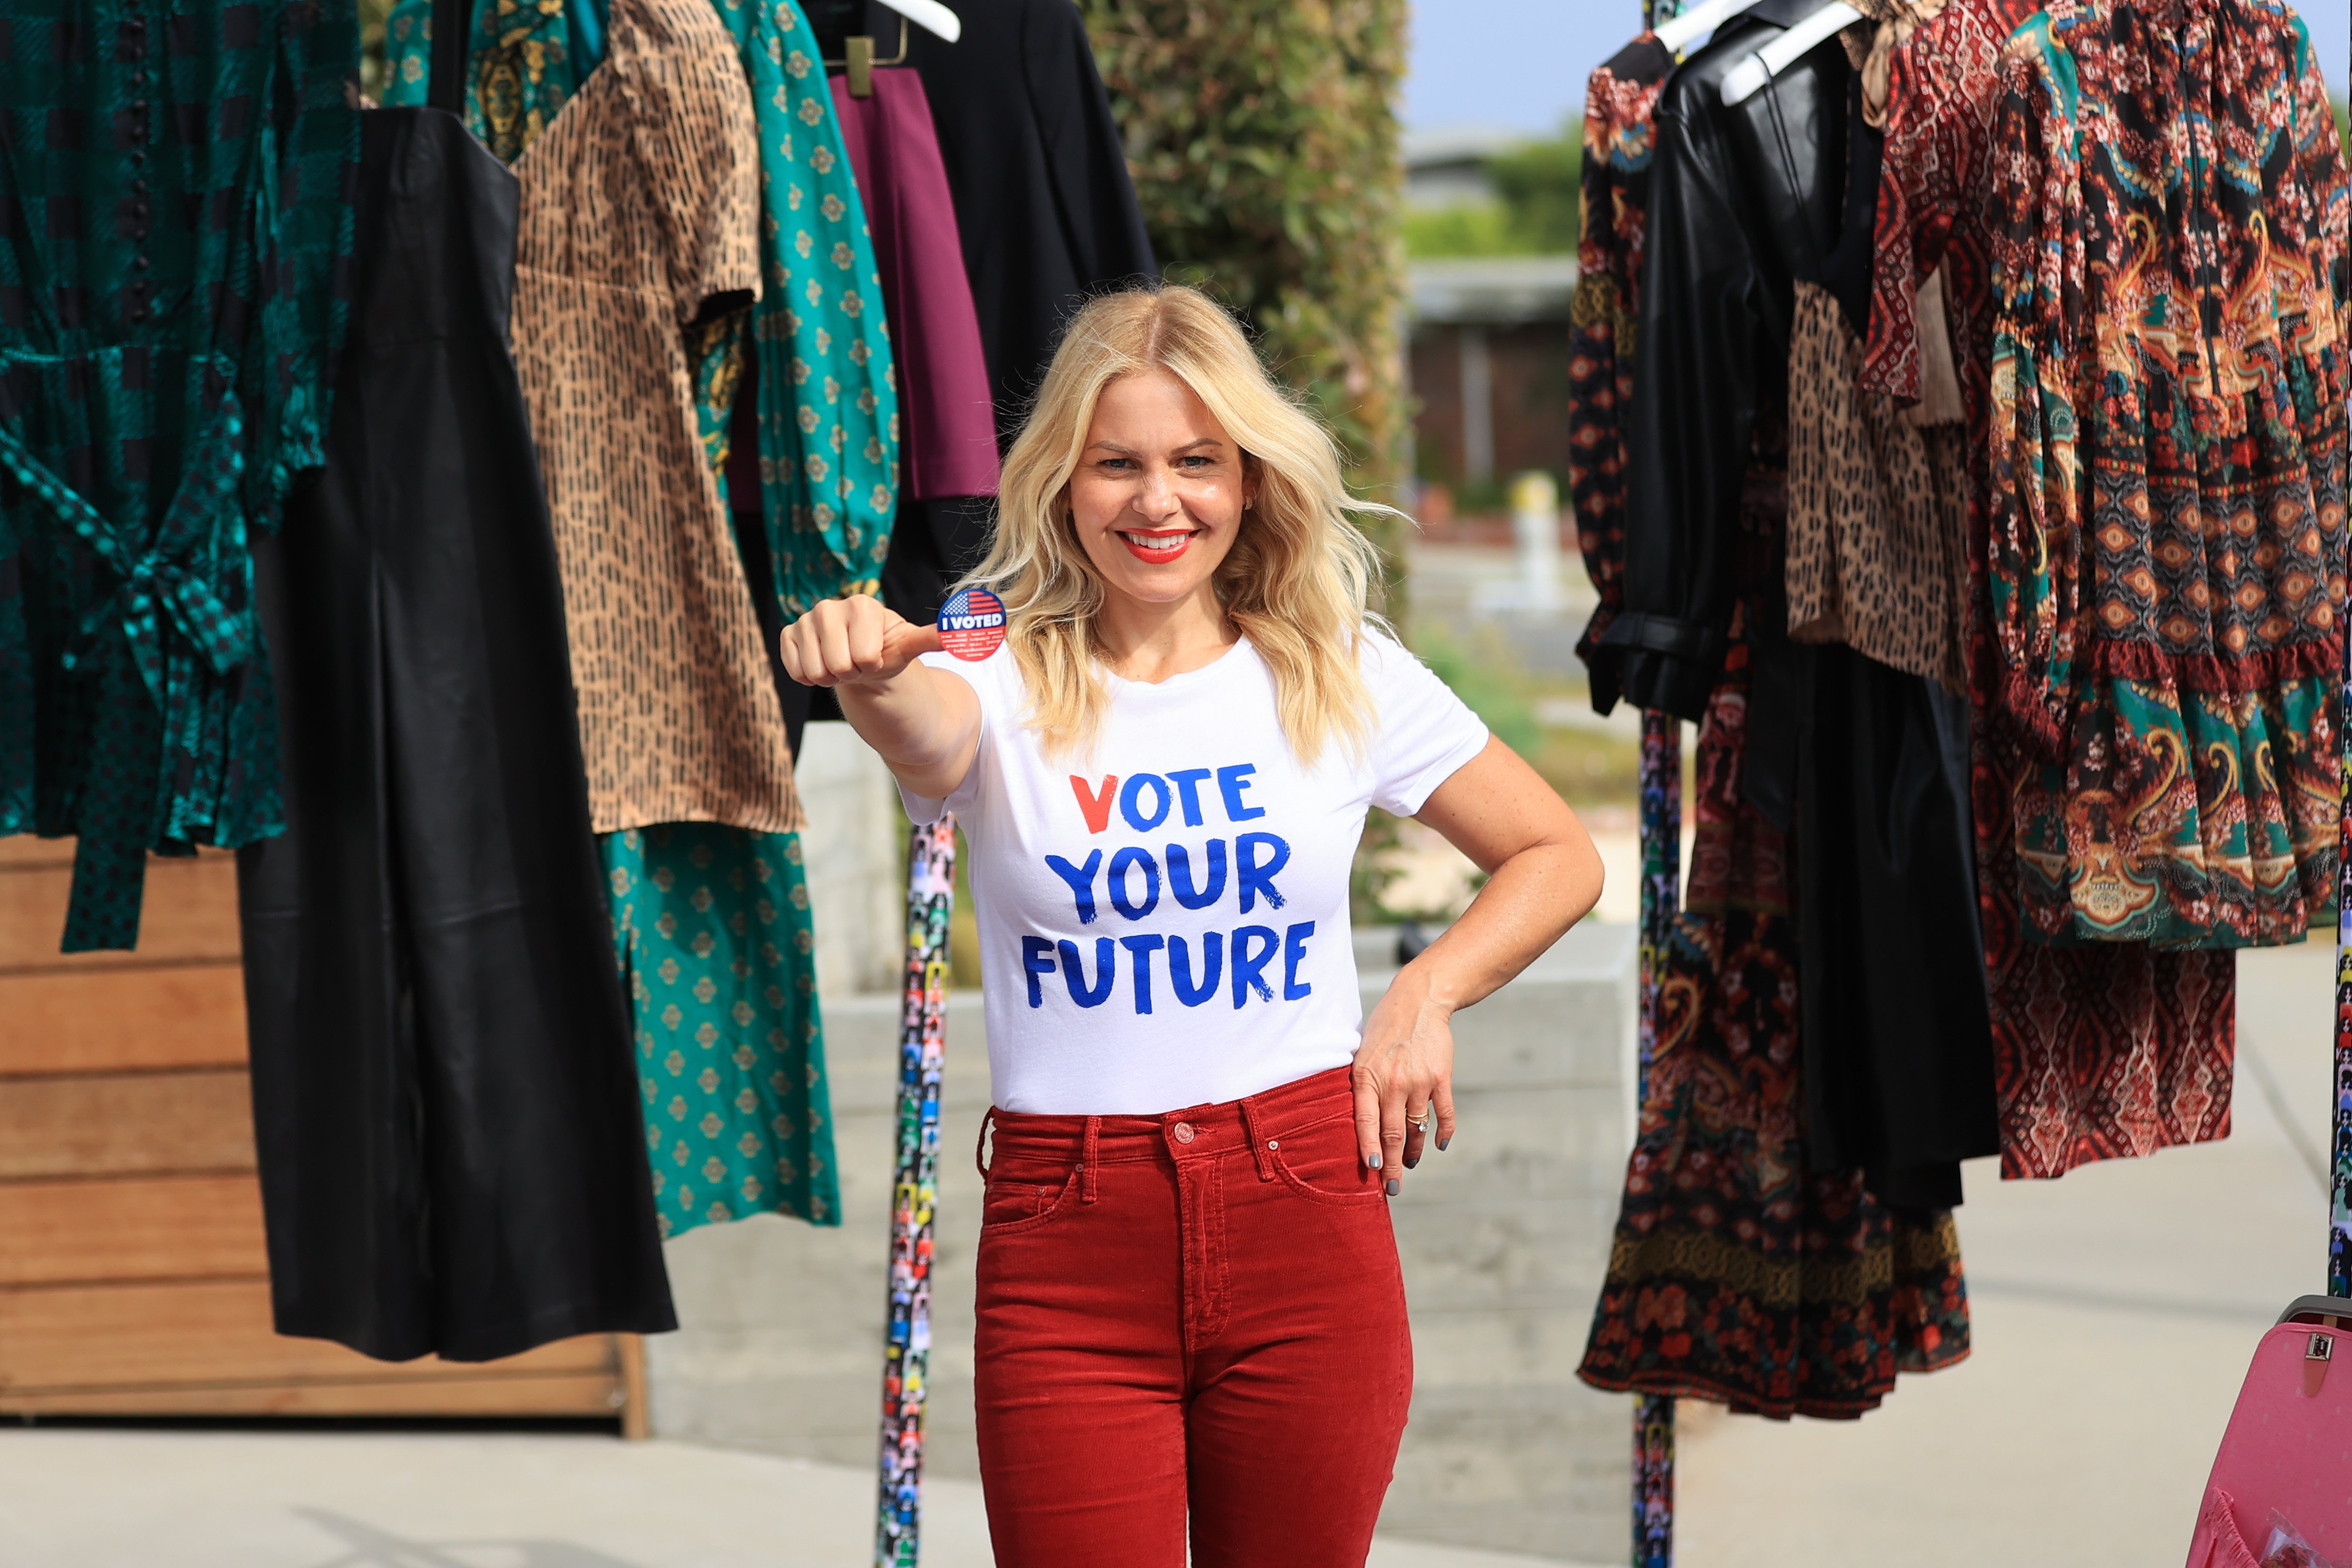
(1747, 78)
(857, 59)
(1678, 33)
(858, 50)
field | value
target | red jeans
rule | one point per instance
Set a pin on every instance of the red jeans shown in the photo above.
(1197, 1313)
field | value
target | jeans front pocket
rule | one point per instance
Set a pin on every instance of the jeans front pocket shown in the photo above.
(1321, 1163)
(1024, 1200)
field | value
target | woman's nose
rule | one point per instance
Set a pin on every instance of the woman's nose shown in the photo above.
(1158, 497)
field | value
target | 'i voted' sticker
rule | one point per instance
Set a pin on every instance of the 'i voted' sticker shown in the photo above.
(971, 624)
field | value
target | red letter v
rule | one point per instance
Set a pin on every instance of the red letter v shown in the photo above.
(1096, 806)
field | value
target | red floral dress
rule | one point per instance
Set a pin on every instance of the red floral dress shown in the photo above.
(1616, 177)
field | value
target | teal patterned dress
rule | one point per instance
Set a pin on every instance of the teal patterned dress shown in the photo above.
(176, 222)
(710, 922)
(524, 61)
(715, 946)
(829, 393)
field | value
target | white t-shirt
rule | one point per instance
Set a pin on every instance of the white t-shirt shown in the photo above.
(1164, 923)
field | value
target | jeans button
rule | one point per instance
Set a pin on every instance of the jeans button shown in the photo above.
(1183, 1132)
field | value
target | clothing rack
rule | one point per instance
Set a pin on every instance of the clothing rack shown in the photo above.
(915, 1190)
(1661, 785)
(1661, 843)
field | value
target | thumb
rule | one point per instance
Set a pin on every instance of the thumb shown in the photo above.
(909, 639)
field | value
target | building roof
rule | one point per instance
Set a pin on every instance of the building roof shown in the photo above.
(1457, 144)
(1445, 166)
(1493, 290)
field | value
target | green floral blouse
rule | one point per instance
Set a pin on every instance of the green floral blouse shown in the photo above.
(176, 222)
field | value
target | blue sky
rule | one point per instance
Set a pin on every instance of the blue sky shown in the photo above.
(1522, 63)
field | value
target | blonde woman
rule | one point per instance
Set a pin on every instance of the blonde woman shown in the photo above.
(1190, 1311)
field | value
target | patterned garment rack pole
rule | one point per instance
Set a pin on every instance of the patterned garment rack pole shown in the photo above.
(2339, 1226)
(914, 1189)
(1662, 855)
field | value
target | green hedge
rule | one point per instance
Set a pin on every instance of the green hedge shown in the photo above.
(1263, 138)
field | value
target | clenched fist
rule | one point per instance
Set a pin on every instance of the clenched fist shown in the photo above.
(856, 641)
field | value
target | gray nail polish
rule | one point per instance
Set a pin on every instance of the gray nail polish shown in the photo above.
(1442, 1142)
(1395, 1187)
(1374, 1161)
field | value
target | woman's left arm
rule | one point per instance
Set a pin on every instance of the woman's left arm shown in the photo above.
(1543, 876)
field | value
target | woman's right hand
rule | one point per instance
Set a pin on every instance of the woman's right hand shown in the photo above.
(856, 641)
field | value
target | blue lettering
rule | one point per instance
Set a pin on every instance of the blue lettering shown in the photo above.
(1123, 862)
(1037, 958)
(1133, 791)
(1179, 968)
(1140, 949)
(1180, 876)
(1257, 877)
(1249, 968)
(1188, 785)
(1073, 972)
(1231, 782)
(1294, 953)
(1081, 879)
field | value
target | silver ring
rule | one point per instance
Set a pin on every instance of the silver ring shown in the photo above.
(1420, 1126)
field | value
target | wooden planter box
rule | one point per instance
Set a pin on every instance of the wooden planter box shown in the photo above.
(133, 1276)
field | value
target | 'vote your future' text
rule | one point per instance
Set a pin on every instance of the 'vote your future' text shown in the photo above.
(1191, 877)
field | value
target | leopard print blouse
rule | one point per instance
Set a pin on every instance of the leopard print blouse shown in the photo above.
(1877, 533)
(640, 207)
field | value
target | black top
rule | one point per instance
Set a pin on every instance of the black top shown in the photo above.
(1042, 200)
(1744, 199)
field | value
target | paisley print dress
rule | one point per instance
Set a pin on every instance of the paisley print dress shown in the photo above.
(2102, 1050)
(2167, 445)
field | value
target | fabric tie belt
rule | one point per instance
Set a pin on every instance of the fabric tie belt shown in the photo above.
(177, 624)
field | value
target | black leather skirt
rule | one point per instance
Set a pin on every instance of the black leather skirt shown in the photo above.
(452, 1153)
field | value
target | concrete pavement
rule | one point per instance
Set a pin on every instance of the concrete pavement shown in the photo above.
(84, 1499)
(2114, 1314)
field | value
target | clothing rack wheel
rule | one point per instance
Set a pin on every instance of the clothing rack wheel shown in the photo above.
(914, 1187)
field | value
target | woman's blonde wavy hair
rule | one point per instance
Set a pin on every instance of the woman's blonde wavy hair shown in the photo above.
(1299, 573)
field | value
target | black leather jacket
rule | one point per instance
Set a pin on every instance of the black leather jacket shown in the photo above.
(1744, 199)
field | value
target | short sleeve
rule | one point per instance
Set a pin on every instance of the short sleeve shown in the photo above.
(986, 679)
(1426, 734)
(698, 147)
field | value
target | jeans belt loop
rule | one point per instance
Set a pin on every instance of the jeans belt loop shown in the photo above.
(980, 1147)
(1258, 1141)
(1089, 1157)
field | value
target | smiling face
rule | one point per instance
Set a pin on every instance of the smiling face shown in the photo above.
(1160, 489)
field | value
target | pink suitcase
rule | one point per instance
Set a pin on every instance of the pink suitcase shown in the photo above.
(2289, 1446)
